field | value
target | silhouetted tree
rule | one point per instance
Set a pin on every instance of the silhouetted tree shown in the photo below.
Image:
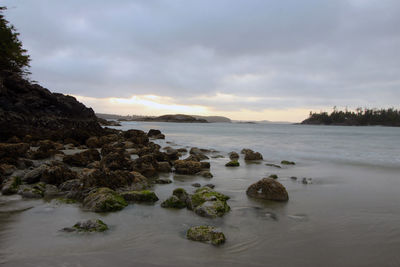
(13, 57)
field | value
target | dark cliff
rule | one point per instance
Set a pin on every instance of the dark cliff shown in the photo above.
(29, 109)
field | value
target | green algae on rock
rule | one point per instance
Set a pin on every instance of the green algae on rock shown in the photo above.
(205, 233)
(140, 196)
(232, 163)
(208, 203)
(103, 200)
(88, 226)
(286, 162)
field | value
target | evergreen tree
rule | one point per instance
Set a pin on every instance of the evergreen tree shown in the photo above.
(13, 57)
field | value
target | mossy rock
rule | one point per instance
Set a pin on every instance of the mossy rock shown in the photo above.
(104, 200)
(273, 176)
(88, 226)
(209, 203)
(11, 186)
(286, 162)
(140, 196)
(205, 233)
(178, 200)
(232, 163)
(66, 200)
(173, 202)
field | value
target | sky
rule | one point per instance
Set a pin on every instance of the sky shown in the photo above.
(271, 60)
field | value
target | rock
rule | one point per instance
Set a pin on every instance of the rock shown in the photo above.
(273, 165)
(285, 162)
(251, 155)
(198, 157)
(293, 178)
(232, 163)
(112, 179)
(273, 176)
(182, 150)
(47, 148)
(88, 226)
(140, 196)
(173, 202)
(104, 200)
(217, 157)
(205, 174)
(33, 191)
(13, 150)
(206, 233)
(180, 199)
(119, 160)
(209, 203)
(7, 169)
(187, 167)
(93, 142)
(163, 181)
(29, 109)
(268, 189)
(82, 159)
(196, 185)
(164, 167)
(10, 187)
(307, 181)
(51, 191)
(212, 186)
(138, 137)
(34, 175)
(172, 153)
(233, 155)
(205, 165)
(156, 134)
(57, 175)
(245, 151)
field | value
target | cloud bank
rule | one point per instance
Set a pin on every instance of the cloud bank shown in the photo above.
(256, 57)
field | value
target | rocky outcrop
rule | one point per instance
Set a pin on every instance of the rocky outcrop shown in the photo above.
(268, 189)
(156, 134)
(29, 109)
(205, 233)
(104, 200)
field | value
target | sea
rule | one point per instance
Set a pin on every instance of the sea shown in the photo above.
(347, 214)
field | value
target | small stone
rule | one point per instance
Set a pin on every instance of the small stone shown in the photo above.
(273, 176)
(286, 162)
(140, 196)
(205, 174)
(273, 165)
(196, 185)
(88, 226)
(163, 181)
(212, 186)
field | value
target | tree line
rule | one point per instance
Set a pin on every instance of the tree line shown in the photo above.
(361, 117)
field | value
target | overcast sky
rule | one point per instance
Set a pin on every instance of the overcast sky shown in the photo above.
(246, 59)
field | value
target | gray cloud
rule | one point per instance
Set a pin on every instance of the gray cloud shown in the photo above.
(305, 54)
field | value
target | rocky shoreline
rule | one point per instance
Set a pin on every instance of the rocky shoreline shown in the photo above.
(110, 171)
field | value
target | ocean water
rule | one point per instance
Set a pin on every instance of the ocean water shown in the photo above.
(348, 216)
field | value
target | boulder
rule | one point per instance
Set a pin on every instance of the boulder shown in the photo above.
(7, 169)
(93, 142)
(104, 200)
(57, 175)
(251, 155)
(119, 160)
(156, 134)
(268, 189)
(164, 167)
(112, 179)
(232, 163)
(13, 150)
(209, 203)
(32, 191)
(140, 196)
(34, 175)
(180, 199)
(205, 174)
(11, 186)
(187, 167)
(88, 226)
(286, 162)
(198, 157)
(233, 155)
(82, 159)
(137, 137)
(205, 233)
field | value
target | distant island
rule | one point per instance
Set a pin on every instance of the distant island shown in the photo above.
(166, 118)
(360, 117)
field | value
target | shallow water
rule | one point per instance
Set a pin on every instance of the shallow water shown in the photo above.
(348, 216)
